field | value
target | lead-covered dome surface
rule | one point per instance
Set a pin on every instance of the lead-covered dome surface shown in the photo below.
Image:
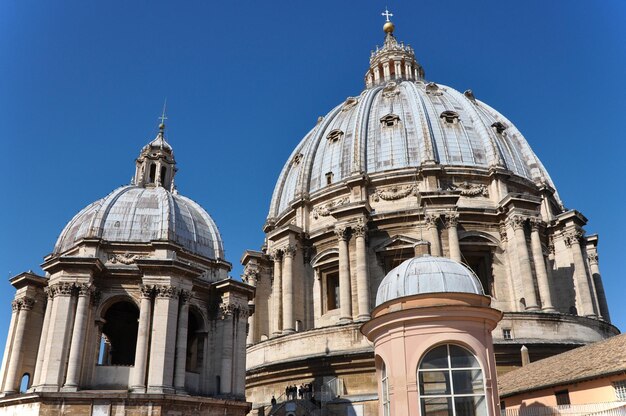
(401, 121)
(137, 214)
(427, 274)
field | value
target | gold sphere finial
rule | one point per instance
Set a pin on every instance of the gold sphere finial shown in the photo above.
(389, 27)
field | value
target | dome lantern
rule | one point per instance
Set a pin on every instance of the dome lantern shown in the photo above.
(394, 61)
(156, 166)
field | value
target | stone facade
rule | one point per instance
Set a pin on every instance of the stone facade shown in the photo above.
(136, 313)
(386, 171)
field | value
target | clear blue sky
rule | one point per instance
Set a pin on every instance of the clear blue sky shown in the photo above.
(82, 84)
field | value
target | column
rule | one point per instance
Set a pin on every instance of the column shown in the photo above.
(376, 75)
(318, 297)
(138, 378)
(277, 294)
(540, 266)
(398, 69)
(12, 381)
(288, 319)
(7, 348)
(163, 345)
(250, 276)
(345, 289)
(78, 339)
(407, 71)
(362, 278)
(451, 222)
(181, 341)
(431, 225)
(228, 333)
(58, 338)
(386, 71)
(583, 292)
(240, 369)
(521, 250)
(44, 337)
(597, 278)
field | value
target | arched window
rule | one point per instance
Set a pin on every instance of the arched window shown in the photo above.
(152, 172)
(119, 332)
(25, 383)
(162, 178)
(451, 383)
(384, 383)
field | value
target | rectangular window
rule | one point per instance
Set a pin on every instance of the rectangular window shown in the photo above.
(332, 291)
(620, 390)
(506, 334)
(562, 397)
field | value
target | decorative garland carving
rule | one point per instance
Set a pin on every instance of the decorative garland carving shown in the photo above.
(393, 193)
(324, 210)
(468, 189)
(126, 258)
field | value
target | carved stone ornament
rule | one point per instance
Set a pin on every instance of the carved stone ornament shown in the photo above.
(551, 244)
(431, 220)
(342, 233)
(96, 297)
(518, 221)
(126, 258)
(451, 220)
(573, 236)
(250, 276)
(185, 295)
(536, 224)
(166, 291)
(146, 290)
(393, 193)
(84, 289)
(24, 303)
(467, 189)
(289, 251)
(324, 210)
(503, 234)
(593, 258)
(234, 309)
(359, 229)
(62, 289)
(349, 103)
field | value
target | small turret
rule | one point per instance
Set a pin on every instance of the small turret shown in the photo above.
(156, 165)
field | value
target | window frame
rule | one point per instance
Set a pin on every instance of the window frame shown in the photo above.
(384, 384)
(449, 370)
(620, 390)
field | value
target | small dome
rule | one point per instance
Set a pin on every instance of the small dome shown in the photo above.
(136, 214)
(427, 274)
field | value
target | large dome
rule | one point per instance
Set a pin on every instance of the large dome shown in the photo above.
(136, 214)
(403, 123)
(427, 275)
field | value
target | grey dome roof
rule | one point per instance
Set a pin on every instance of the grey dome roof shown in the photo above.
(137, 214)
(427, 274)
(404, 124)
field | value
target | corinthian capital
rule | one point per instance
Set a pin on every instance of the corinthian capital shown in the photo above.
(593, 258)
(185, 295)
(342, 233)
(517, 221)
(536, 224)
(359, 229)
(146, 291)
(27, 303)
(15, 305)
(451, 219)
(84, 289)
(166, 291)
(573, 236)
(289, 251)
(250, 276)
(431, 220)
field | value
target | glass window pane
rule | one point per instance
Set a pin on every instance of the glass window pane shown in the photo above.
(467, 381)
(470, 406)
(460, 357)
(437, 358)
(434, 382)
(439, 406)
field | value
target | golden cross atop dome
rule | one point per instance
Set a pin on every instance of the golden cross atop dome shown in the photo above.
(387, 15)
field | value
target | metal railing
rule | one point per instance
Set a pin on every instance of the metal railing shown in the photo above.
(592, 409)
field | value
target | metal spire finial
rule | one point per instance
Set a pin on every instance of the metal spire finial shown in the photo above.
(163, 116)
(387, 15)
